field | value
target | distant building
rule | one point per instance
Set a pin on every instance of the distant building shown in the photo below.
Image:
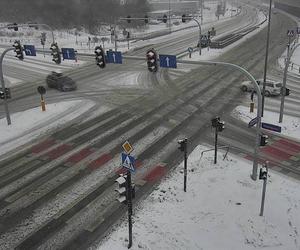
(290, 6)
(179, 7)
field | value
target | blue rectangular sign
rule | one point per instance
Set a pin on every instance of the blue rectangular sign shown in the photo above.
(114, 57)
(29, 50)
(167, 61)
(271, 127)
(253, 122)
(68, 53)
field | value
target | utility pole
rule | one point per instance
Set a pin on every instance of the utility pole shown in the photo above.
(287, 63)
(201, 2)
(129, 195)
(266, 59)
(183, 148)
(170, 16)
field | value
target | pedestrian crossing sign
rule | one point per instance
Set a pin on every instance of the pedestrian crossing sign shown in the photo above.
(128, 162)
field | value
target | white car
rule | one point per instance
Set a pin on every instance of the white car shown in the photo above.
(272, 88)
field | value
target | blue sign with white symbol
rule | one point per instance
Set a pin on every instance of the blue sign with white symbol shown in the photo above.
(29, 50)
(252, 122)
(128, 162)
(190, 49)
(68, 53)
(114, 57)
(271, 127)
(167, 61)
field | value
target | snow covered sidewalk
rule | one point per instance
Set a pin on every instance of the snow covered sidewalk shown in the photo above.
(219, 211)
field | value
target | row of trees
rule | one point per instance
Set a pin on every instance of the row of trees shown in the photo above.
(70, 13)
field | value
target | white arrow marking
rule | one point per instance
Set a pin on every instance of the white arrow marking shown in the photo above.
(168, 60)
(28, 51)
(68, 53)
(114, 56)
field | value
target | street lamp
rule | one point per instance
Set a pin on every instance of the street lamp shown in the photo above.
(266, 59)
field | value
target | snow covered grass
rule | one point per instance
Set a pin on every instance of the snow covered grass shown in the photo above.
(220, 210)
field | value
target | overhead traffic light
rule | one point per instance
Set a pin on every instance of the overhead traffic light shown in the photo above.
(146, 19)
(100, 57)
(182, 145)
(263, 140)
(122, 188)
(151, 57)
(55, 53)
(165, 18)
(18, 50)
(183, 18)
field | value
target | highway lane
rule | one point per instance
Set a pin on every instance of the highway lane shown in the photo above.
(60, 194)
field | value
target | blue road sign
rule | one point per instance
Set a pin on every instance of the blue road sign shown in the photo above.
(253, 122)
(29, 50)
(271, 127)
(128, 162)
(290, 33)
(167, 61)
(114, 57)
(190, 49)
(68, 53)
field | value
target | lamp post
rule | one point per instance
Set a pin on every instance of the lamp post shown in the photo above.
(266, 59)
(170, 16)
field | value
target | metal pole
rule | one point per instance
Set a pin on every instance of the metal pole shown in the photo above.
(185, 164)
(263, 195)
(199, 34)
(202, 11)
(266, 59)
(216, 144)
(284, 80)
(170, 16)
(129, 195)
(3, 85)
(115, 33)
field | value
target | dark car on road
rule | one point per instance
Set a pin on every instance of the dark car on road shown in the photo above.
(61, 82)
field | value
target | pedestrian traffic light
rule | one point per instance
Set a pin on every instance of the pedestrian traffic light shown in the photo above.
(100, 57)
(151, 57)
(7, 93)
(263, 140)
(2, 94)
(215, 121)
(165, 18)
(263, 173)
(183, 18)
(128, 19)
(221, 126)
(55, 53)
(182, 144)
(18, 50)
(146, 19)
(287, 91)
(122, 188)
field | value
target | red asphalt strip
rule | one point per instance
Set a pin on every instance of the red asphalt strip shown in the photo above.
(100, 161)
(42, 146)
(155, 173)
(77, 157)
(288, 145)
(59, 151)
(275, 153)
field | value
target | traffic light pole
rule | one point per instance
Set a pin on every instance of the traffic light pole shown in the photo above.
(216, 144)
(287, 63)
(129, 203)
(185, 166)
(3, 85)
(262, 205)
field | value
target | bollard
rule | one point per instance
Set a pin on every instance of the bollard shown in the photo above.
(43, 105)
(251, 107)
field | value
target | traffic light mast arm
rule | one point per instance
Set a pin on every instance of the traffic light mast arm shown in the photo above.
(3, 85)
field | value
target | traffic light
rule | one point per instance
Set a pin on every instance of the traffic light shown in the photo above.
(55, 53)
(183, 18)
(221, 126)
(263, 140)
(18, 50)
(128, 19)
(263, 173)
(215, 121)
(165, 18)
(182, 144)
(287, 91)
(146, 19)
(122, 188)
(100, 57)
(16, 27)
(2, 94)
(42, 42)
(151, 60)
(7, 93)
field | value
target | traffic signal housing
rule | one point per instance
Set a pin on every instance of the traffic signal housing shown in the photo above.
(263, 173)
(18, 50)
(100, 57)
(263, 140)
(122, 188)
(151, 57)
(146, 19)
(183, 18)
(165, 18)
(55, 53)
(221, 126)
(128, 19)
(182, 144)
